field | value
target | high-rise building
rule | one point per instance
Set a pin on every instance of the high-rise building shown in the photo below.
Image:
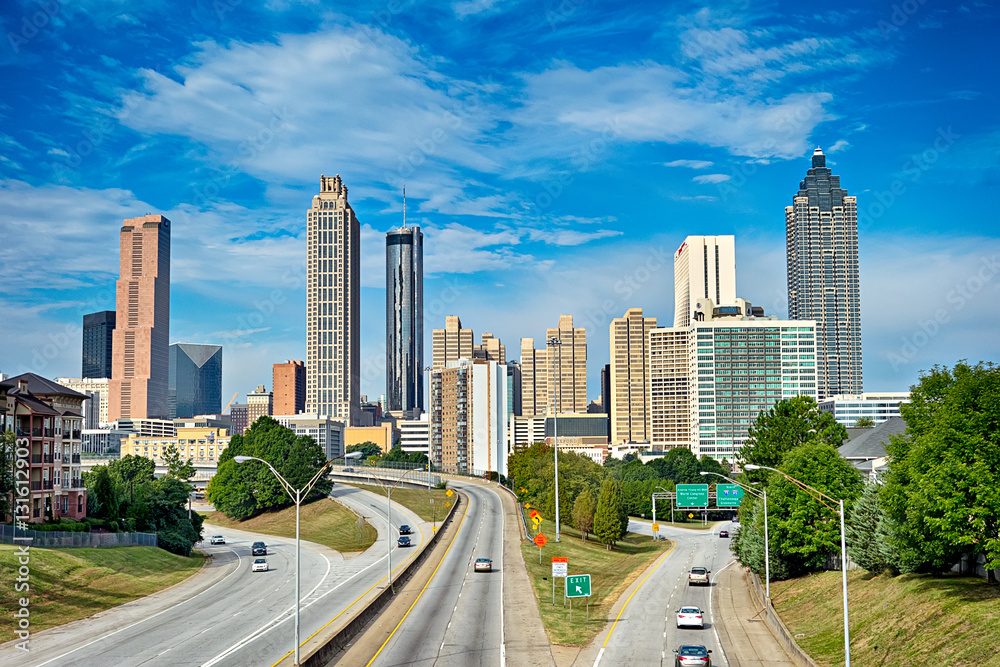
(404, 321)
(468, 417)
(140, 369)
(95, 408)
(557, 373)
(259, 403)
(821, 228)
(289, 385)
(535, 399)
(98, 344)
(671, 424)
(452, 343)
(333, 336)
(238, 417)
(629, 338)
(491, 349)
(704, 266)
(195, 385)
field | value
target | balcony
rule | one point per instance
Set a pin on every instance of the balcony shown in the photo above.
(36, 458)
(76, 458)
(47, 458)
(47, 484)
(35, 486)
(75, 435)
(76, 483)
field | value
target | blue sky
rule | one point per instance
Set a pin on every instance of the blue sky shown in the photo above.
(555, 153)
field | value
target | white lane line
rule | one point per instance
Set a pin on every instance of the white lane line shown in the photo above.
(239, 561)
(600, 655)
(712, 615)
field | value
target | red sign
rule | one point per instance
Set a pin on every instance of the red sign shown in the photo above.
(533, 513)
(540, 540)
(560, 559)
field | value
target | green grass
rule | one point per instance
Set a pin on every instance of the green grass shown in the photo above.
(70, 584)
(417, 500)
(322, 521)
(611, 573)
(905, 620)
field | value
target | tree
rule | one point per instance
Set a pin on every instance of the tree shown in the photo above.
(583, 512)
(805, 531)
(176, 466)
(863, 544)
(790, 423)
(864, 422)
(748, 540)
(367, 448)
(610, 519)
(8, 444)
(130, 471)
(941, 489)
(102, 495)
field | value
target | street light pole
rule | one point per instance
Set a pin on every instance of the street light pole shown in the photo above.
(555, 342)
(388, 516)
(767, 548)
(297, 495)
(819, 495)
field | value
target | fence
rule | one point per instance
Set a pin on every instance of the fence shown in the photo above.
(59, 539)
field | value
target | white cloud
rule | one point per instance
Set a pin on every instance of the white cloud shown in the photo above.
(472, 7)
(839, 145)
(690, 164)
(711, 178)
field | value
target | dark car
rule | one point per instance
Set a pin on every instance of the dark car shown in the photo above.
(723, 533)
(404, 530)
(692, 656)
(258, 549)
(403, 541)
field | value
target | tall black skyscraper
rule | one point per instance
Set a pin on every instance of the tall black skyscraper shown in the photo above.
(404, 320)
(195, 385)
(821, 228)
(97, 344)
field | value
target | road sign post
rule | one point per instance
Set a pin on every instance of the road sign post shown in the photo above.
(560, 568)
(540, 540)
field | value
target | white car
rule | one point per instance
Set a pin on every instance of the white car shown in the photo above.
(690, 617)
(483, 565)
(259, 565)
(218, 539)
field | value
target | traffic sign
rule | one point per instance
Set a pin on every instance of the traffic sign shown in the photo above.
(533, 514)
(560, 568)
(656, 527)
(536, 520)
(728, 495)
(578, 586)
(540, 540)
(449, 493)
(692, 495)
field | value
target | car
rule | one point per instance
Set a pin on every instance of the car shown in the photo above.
(259, 565)
(723, 533)
(258, 549)
(698, 575)
(348, 469)
(690, 617)
(483, 565)
(692, 656)
(403, 541)
(404, 530)
(218, 539)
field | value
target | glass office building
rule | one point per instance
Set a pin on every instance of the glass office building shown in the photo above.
(404, 321)
(195, 384)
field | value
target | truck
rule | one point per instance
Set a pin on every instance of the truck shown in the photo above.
(698, 575)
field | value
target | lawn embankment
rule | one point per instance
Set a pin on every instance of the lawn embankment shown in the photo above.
(417, 500)
(611, 573)
(905, 620)
(69, 584)
(323, 521)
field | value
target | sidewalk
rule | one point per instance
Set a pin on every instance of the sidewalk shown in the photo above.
(742, 628)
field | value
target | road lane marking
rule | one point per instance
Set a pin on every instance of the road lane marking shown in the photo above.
(712, 615)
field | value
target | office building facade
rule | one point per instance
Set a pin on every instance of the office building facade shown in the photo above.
(821, 228)
(195, 381)
(879, 406)
(289, 387)
(95, 408)
(140, 367)
(468, 417)
(404, 321)
(704, 267)
(629, 340)
(98, 344)
(333, 336)
(328, 433)
(451, 343)
(260, 402)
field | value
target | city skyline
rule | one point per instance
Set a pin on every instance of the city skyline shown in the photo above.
(535, 200)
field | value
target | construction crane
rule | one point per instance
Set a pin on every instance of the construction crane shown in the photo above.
(230, 402)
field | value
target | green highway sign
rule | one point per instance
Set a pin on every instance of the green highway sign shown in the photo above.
(692, 495)
(728, 495)
(578, 586)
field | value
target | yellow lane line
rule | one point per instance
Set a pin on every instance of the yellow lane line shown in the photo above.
(622, 610)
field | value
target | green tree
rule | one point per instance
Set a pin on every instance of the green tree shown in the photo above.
(748, 540)
(790, 423)
(177, 467)
(863, 544)
(583, 512)
(8, 444)
(102, 494)
(941, 491)
(803, 530)
(610, 519)
(131, 471)
(367, 449)
(864, 422)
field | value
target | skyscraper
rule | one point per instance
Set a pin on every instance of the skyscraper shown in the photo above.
(98, 344)
(452, 343)
(558, 372)
(629, 337)
(195, 384)
(821, 228)
(289, 384)
(404, 321)
(704, 266)
(333, 337)
(140, 371)
(260, 402)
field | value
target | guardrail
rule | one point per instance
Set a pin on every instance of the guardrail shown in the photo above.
(778, 627)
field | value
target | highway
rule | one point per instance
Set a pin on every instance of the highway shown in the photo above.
(646, 632)
(228, 615)
(458, 619)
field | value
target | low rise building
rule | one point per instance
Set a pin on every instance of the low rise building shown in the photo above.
(201, 445)
(328, 433)
(415, 435)
(879, 406)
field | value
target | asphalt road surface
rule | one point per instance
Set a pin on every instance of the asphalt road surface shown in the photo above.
(229, 615)
(458, 620)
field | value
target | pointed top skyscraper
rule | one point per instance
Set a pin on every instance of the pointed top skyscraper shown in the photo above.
(404, 320)
(821, 228)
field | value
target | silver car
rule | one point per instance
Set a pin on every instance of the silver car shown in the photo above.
(692, 656)
(690, 617)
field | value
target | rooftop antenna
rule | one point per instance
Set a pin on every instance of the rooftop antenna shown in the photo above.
(404, 207)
